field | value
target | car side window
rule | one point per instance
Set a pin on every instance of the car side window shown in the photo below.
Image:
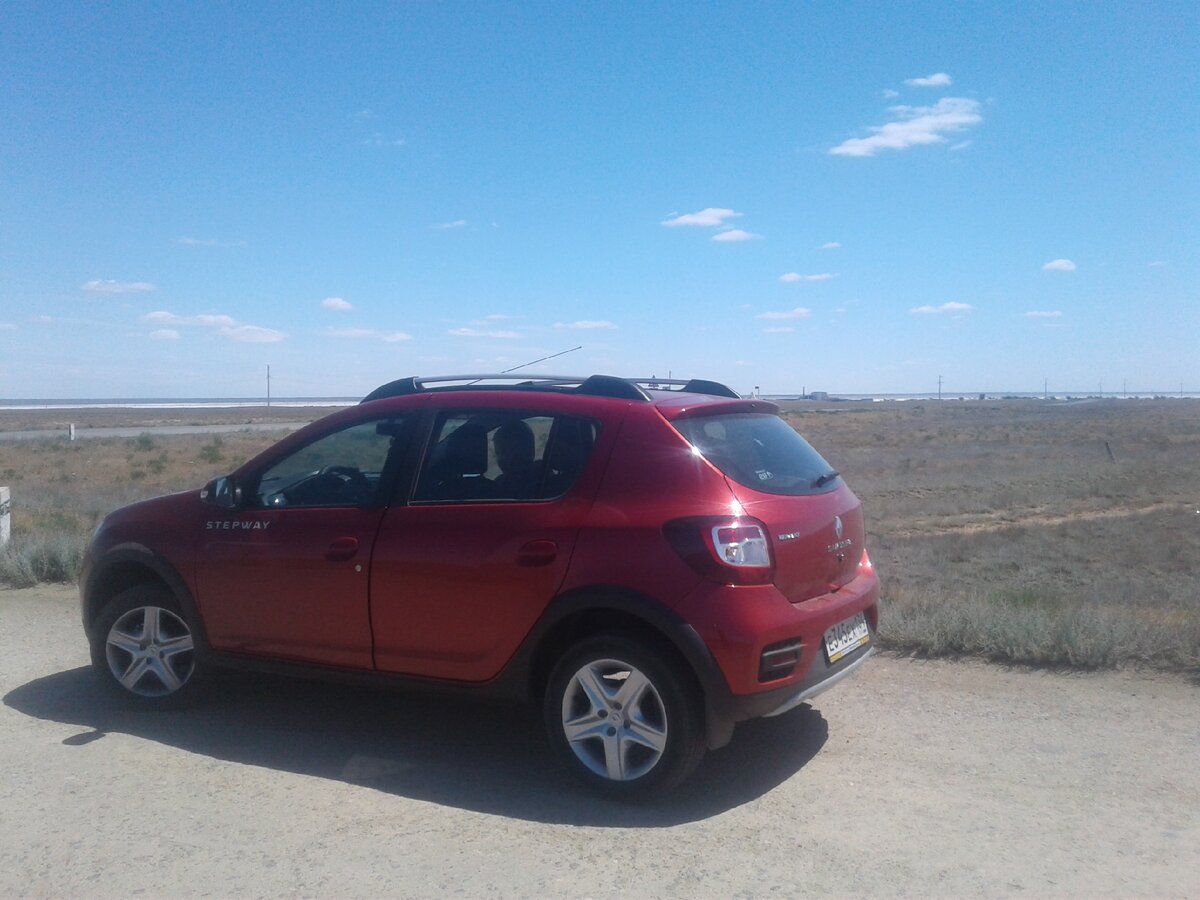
(344, 468)
(501, 455)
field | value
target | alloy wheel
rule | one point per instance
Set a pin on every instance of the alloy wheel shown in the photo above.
(614, 720)
(150, 651)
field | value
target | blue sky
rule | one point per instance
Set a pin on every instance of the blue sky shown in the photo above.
(850, 197)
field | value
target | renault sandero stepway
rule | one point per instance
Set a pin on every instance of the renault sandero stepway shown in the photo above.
(651, 561)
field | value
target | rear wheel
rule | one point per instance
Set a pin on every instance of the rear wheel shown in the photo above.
(622, 717)
(143, 647)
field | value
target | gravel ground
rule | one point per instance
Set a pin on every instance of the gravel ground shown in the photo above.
(913, 778)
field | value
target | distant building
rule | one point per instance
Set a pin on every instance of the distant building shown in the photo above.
(819, 395)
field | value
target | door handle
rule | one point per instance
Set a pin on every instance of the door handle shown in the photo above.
(537, 553)
(341, 548)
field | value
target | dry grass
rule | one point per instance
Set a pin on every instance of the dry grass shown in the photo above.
(62, 489)
(1003, 529)
(1006, 529)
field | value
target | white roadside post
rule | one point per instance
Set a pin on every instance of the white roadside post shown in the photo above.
(5, 516)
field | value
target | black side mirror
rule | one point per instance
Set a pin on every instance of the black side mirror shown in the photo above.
(222, 492)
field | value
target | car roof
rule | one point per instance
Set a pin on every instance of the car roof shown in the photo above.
(638, 389)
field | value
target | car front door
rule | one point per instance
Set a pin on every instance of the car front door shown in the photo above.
(285, 575)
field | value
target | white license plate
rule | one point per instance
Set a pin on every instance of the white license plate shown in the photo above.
(846, 636)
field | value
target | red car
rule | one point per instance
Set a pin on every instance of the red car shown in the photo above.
(652, 561)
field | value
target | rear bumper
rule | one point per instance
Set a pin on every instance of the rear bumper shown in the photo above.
(727, 710)
(828, 679)
(741, 626)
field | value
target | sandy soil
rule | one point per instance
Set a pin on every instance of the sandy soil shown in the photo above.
(913, 778)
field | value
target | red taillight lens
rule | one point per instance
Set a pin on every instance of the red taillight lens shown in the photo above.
(727, 551)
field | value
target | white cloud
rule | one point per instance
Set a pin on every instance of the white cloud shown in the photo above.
(351, 332)
(498, 317)
(363, 115)
(799, 312)
(225, 325)
(392, 337)
(951, 307)
(831, 245)
(914, 126)
(937, 79)
(736, 235)
(712, 217)
(778, 329)
(889, 94)
(450, 226)
(1156, 263)
(586, 325)
(164, 334)
(475, 332)
(337, 304)
(1059, 265)
(108, 286)
(207, 242)
(7, 326)
(961, 145)
(212, 321)
(252, 334)
(378, 140)
(793, 277)
(1043, 314)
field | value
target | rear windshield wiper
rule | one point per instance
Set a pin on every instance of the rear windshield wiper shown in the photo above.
(823, 480)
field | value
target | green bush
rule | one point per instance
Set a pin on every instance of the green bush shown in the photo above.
(211, 452)
(25, 562)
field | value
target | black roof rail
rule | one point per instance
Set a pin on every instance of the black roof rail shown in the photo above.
(393, 389)
(693, 386)
(700, 386)
(611, 386)
(593, 385)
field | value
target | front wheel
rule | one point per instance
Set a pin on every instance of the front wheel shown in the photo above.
(622, 717)
(143, 647)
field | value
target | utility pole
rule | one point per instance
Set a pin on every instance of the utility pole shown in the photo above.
(1045, 388)
(268, 385)
(1125, 389)
(939, 387)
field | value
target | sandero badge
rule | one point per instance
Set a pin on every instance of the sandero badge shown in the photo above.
(606, 548)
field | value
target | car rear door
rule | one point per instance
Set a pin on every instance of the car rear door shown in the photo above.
(461, 572)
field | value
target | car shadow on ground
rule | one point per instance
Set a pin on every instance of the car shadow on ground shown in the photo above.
(461, 753)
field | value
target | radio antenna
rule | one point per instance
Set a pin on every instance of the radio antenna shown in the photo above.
(531, 362)
(543, 359)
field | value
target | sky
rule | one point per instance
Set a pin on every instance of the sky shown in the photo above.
(849, 197)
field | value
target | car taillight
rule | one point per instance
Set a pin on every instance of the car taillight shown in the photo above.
(727, 551)
(865, 564)
(741, 545)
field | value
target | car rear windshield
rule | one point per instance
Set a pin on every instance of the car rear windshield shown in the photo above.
(760, 451)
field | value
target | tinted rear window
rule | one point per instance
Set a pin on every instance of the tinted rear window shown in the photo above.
(759, 451)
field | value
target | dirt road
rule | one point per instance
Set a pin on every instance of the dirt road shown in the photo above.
(914, 778)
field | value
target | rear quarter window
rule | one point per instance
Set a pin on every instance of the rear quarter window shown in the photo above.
(761, 452)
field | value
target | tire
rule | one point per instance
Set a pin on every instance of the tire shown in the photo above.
(623, 717)
(144, 648)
